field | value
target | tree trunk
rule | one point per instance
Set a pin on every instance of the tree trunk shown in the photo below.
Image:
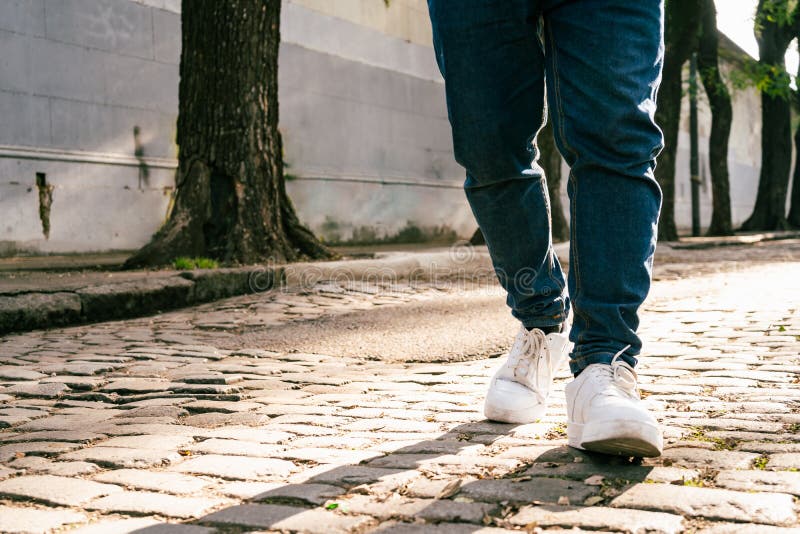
(680, 39)
(769, 212)
(550, 161)
(721, 116)
(230, 200)
(794, 211)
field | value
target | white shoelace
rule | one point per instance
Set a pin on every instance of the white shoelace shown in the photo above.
(621, 375)
(528, 357)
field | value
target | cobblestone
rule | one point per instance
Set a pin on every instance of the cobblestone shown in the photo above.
(767, 508)
(201, 419)
(15, 519)
(55, 490)
(142, 502)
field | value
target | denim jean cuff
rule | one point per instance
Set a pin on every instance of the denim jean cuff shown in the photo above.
(540, 322)
(581, 362)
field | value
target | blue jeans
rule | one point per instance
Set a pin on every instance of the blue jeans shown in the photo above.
(600, 62)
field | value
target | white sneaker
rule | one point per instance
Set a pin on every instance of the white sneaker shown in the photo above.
(519, 389)
(605, 413)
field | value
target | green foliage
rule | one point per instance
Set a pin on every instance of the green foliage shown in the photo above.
(780, 12)
(772, 80)
(187, 264)
(761, 462)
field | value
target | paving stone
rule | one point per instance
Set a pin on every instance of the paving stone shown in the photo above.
(759, 480)
(784, 460)
(79, 436)
(327, 456)
(38, 448)
(220, 406)
(247, 489)
(404, 508)
(15, 519)
(767, 508)
(135, 385)
(141, 502)
(154, 480)
(739, 528)
(117, 526)
(354, 475)
(442, 528)
(155, 442)
(55, 490)
(244, 433)
(693, 457)
(598, 518)
(170, 411)
(237, 448)
(546, 490)
(279, 517)
(37, 464)
(49, 391)
(310, 493)
(124, 457)
(217, 419)
(235, 467)
(12, 372)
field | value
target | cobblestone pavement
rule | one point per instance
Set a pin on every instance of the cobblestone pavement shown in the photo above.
(165, 425)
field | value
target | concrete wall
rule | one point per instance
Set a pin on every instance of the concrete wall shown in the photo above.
(362, 113)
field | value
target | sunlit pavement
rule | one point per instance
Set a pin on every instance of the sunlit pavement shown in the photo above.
(356, 408)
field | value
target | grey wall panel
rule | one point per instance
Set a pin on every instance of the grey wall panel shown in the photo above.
(24, 120)
(135, 82)
(167, 36)
(121, 27)
(22, 16)
(15, 62)
(66, 71)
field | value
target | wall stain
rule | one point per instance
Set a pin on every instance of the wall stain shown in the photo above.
(45, 202)
(138, 152)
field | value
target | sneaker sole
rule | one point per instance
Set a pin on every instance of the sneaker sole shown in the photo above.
(619, 438)
(520, 417)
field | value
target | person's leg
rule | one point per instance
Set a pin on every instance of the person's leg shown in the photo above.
(603, 69)
(493, 67)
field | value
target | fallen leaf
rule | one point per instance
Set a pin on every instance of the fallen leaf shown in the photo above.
(594, 499)
(522, 479)
(450, 489)
(332, 506)
(185, 452)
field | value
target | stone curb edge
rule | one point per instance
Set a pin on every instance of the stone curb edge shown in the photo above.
(126, 299)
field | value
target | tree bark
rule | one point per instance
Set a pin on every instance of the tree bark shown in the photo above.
(550, 161)
(719, 100)
(794, 212)
(230, 200)
(680, 39)
(769, 212)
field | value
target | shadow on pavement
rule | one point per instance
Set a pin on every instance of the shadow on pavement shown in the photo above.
(438, 481)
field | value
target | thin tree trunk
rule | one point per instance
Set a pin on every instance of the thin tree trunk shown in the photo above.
(769, 212)
(794, 211)
(721, 116)
(681, 27)
(230, 200)
(550, 161)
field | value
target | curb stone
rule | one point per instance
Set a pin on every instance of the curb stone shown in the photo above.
(34, 310)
